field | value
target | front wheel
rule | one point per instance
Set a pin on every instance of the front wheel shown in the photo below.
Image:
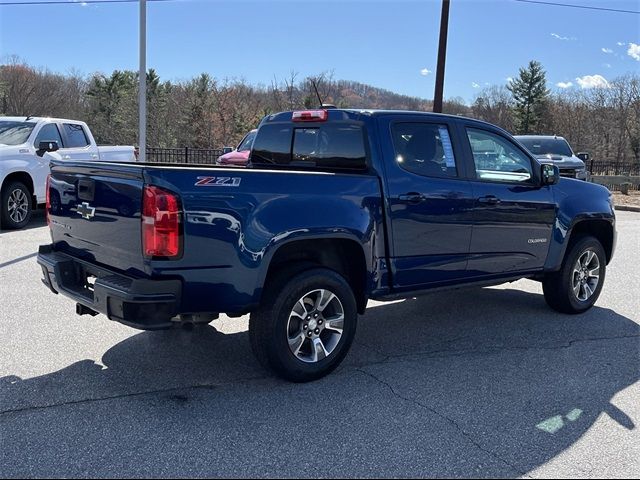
(305, 325)
(577, 286)
(16, 206)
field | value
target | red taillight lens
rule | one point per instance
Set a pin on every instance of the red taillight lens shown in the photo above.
(160, 223)
(48, 197)
(310, 116)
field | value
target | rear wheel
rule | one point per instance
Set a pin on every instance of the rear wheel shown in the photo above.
(305, 325)
(16, 205)
(577, 286)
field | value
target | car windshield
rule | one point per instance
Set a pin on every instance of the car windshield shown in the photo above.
(15, 133)
(247, 142)
(545, 146)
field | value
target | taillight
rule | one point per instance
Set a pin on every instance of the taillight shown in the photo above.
(160, 223)
(310, 116)
(48, 197)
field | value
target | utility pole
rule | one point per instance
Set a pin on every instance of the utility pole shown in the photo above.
(442, 57)
(142, 83)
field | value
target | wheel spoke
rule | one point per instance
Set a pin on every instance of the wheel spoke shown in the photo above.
(594, 272)
(335, 323)
(324, 298)
(319, 352)
(576, 288)
(296, 343)
(588, 290)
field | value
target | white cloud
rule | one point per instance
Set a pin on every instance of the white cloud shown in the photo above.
(592, 81)
(606, 50)
(634, 51)
(564, 84)
(424, 72)
(606, 65)
(559, 37)
(509, 79)
(475, 85)
(620, 44)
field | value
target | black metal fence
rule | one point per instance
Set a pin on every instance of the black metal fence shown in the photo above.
(183, 155)
(613, 167)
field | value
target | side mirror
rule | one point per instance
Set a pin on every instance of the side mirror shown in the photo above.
(584, 156)
(226, 150)
(550, 174)
(47, 146)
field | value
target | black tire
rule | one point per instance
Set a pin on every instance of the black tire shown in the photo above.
(9, 193)
(558, 286)
(269, 325)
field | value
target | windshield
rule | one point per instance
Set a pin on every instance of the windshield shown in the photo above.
(247, 142)
(544, 146)
(15, 133)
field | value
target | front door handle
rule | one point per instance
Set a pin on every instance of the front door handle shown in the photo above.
(489, 200)
(412, 198)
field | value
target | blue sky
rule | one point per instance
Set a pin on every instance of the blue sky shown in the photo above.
(388, 44)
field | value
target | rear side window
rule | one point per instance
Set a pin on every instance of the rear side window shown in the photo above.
(76, 137)
(424, 149)
(330, 146)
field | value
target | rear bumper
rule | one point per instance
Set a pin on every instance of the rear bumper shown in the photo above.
(145, 304)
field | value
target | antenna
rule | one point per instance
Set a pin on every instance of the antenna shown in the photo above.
(313, 82)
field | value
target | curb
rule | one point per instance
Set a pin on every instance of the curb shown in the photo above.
(627, 208)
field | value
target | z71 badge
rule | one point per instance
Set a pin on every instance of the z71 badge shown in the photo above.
(218, 182)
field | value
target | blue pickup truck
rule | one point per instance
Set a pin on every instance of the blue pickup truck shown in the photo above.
(335, 208)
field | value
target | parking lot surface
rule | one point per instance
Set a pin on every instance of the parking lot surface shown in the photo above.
(478, 382)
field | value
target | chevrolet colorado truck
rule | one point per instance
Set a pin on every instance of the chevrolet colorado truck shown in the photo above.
(27, 145)
(335, 208)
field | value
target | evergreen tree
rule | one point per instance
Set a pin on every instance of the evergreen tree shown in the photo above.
(530, 94)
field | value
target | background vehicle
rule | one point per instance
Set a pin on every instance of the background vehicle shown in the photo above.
(337, 207)
(557, 150)
(24, 166)
(239, 156)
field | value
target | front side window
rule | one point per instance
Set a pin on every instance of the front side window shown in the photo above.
(424, 149)
(48, 133)
(75, 136)
(15, 133)
(496, 159)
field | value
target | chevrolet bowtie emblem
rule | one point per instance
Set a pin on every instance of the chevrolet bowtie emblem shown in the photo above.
(86, 210)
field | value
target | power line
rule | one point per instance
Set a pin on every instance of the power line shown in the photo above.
(585, 7)
(79, 2)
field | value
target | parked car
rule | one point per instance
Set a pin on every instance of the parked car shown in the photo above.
(239, 156)
(558, 151)
(27, 145)
(339, 207)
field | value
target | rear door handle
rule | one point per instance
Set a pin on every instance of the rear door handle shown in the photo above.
(489, 200)
(412, 197)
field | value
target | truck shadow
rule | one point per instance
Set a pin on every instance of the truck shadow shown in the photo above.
(475, 382)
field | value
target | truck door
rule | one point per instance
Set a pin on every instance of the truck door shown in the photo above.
(513, 213)
(430, 202)
(77, 143)
(48, 133)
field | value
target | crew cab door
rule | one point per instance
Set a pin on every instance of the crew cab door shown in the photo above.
(430, 201)
(77, 143)
(513, 213)
(40, 165)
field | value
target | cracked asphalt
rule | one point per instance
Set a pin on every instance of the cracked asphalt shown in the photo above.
(484, 382)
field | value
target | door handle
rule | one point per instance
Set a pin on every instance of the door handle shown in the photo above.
(66, 157)
(94, 155)
(412, 197)
(489, 200)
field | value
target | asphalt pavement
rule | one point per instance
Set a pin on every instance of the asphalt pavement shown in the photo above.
(483, 382)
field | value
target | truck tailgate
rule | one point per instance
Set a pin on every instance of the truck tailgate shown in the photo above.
(95, 213)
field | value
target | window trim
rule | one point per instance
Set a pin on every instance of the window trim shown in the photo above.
(532, 181)
(45, 126)
(451, 129)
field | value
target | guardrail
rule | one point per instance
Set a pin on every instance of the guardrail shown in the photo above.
(183, 155)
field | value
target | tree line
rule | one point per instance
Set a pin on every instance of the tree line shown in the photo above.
(209, 112)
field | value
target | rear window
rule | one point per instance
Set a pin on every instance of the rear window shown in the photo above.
(330, 146)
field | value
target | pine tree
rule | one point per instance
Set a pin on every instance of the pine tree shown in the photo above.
(530, 94)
